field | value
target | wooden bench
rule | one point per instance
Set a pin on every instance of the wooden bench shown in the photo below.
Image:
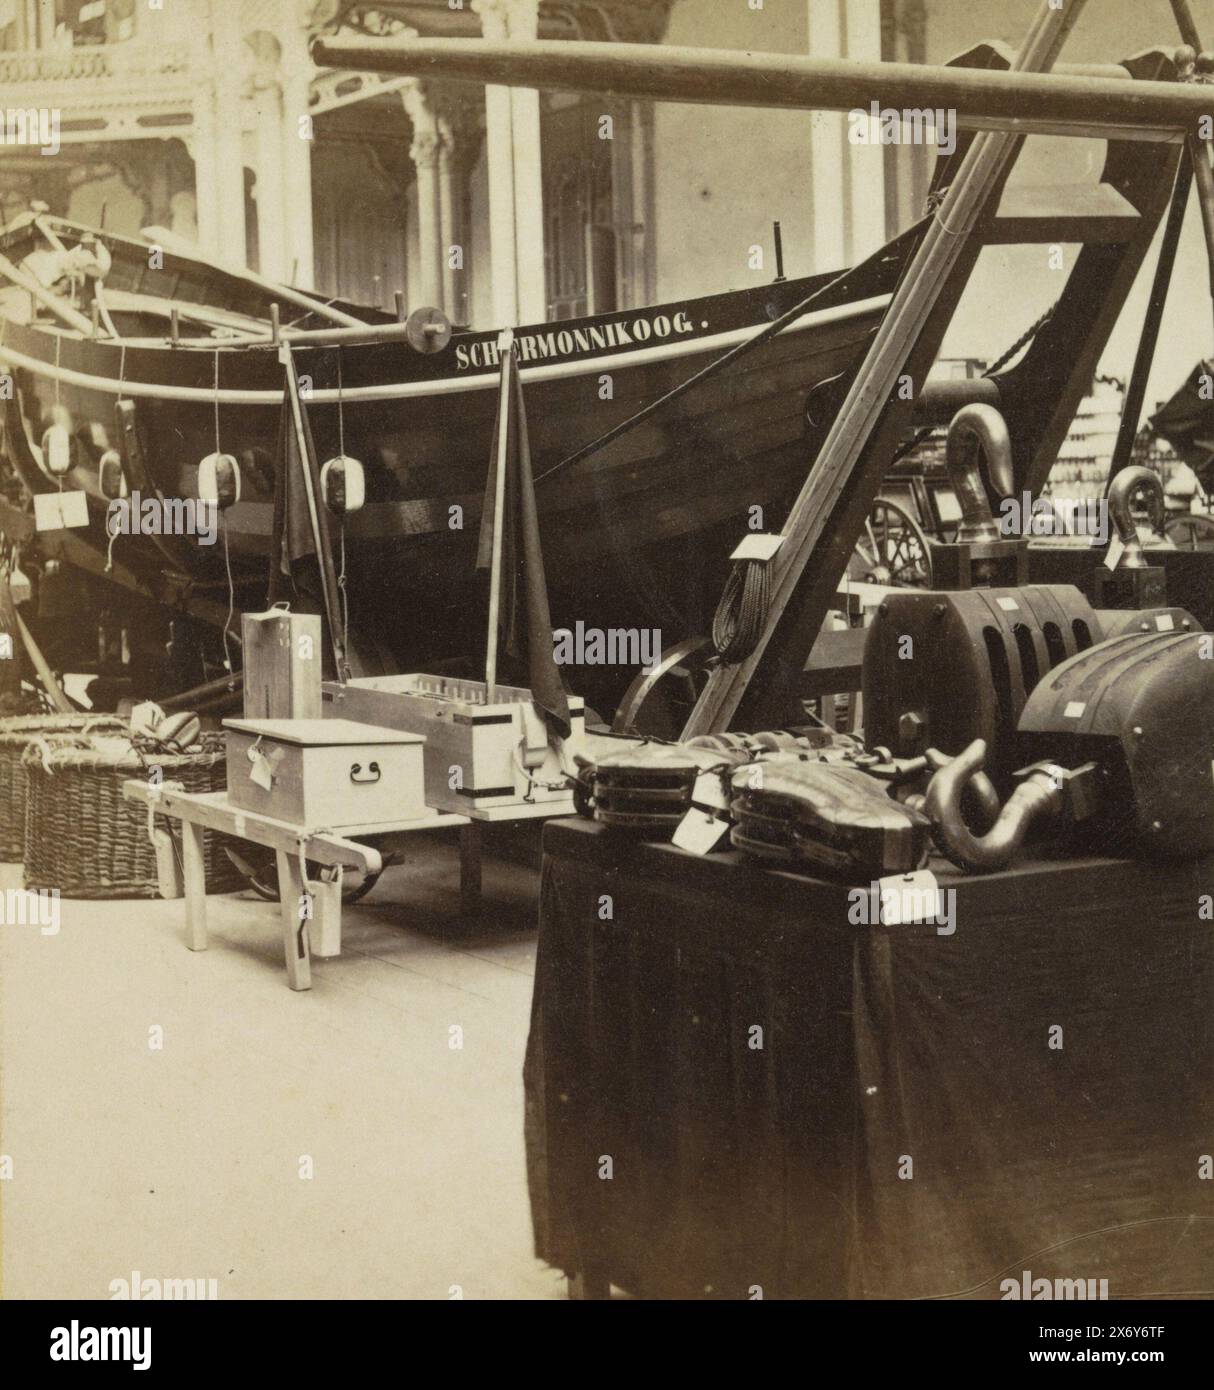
(358, 848)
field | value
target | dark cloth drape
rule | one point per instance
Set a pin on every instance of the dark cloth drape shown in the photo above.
(1186, 421)
(783, 1165)
(524, 624)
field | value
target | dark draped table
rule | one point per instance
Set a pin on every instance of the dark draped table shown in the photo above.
(734, 1092)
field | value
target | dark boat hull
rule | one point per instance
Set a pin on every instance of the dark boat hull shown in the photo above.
(634, 536)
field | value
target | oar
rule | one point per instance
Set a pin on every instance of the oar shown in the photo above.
(180, 247)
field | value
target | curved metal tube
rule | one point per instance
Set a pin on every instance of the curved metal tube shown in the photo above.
(1034, 799)
(1122, 491)
(978, 432)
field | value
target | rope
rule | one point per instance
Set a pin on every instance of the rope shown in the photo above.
(227, 557)
(742, 612)
(1027, 336)
(344, 674)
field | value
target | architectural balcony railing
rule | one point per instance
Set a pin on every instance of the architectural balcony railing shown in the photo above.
(102, 62)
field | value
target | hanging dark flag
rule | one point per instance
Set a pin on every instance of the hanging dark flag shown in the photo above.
(524, 621)
(1186, 421)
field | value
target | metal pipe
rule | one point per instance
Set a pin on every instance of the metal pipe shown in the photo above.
(978, 431)
(1026, 102)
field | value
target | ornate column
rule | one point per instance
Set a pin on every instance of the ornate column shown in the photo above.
(271, 199)
(449, 208)
(848, 180)
(424, 152)
(227, 50)
(516, 200)
(296, 144)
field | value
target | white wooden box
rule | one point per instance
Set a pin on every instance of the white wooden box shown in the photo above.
(478, 756)
(325, 773)
(282, 664)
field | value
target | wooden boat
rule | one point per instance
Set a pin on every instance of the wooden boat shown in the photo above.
(636, 535)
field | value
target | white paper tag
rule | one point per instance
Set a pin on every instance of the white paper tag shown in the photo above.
(1164, 622)
(54, 511)
(1074, 709)
(1009, 605)
(710, 791)
(260, 774)
(906, 898)
(1115, 552)
(699, 832)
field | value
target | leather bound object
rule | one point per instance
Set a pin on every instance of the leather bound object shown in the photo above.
(836, 818)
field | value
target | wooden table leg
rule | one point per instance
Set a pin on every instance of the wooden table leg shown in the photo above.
(294, 930)
(470, 868)
(194, 872)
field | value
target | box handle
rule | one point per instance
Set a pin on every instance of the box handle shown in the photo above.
(372, 773)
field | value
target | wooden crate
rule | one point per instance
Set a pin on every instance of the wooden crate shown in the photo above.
(324, 772)
(282, 665)
(478, 756)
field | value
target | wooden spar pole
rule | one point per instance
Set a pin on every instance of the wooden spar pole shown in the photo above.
(1131, 411)
(45, 674)
(48, 298)
(1199, 150)
(320, 531)
(1024, 100)
(505, 405)
(981, 171)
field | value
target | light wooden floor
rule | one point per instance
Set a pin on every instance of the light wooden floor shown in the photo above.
(184, 1161)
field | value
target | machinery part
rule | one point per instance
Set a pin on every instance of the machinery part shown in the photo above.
(647, 789)
(1141, 705)
(942, 669)
(1191, 532)
(259, 866)
(428, 330)
(646, 710)
(892, 550)
(828, 815)
(978, 434)
(1131, 483)
(1037, 798)
(1116, 622)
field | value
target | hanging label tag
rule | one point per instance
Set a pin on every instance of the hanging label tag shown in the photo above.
(55, 511)
(1164, 622)
(700, 832)
(907, 898)
(261, 774)
(1115, 552)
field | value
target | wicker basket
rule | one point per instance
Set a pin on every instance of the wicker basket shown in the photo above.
(82, 838)
(15, 734)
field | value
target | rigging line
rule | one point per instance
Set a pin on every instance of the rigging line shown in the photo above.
(227, 556)
(342, 590)
(770, 330)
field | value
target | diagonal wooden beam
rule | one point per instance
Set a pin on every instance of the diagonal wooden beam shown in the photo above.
(849, 469)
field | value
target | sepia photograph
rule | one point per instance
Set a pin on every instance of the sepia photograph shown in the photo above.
(606, 665)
